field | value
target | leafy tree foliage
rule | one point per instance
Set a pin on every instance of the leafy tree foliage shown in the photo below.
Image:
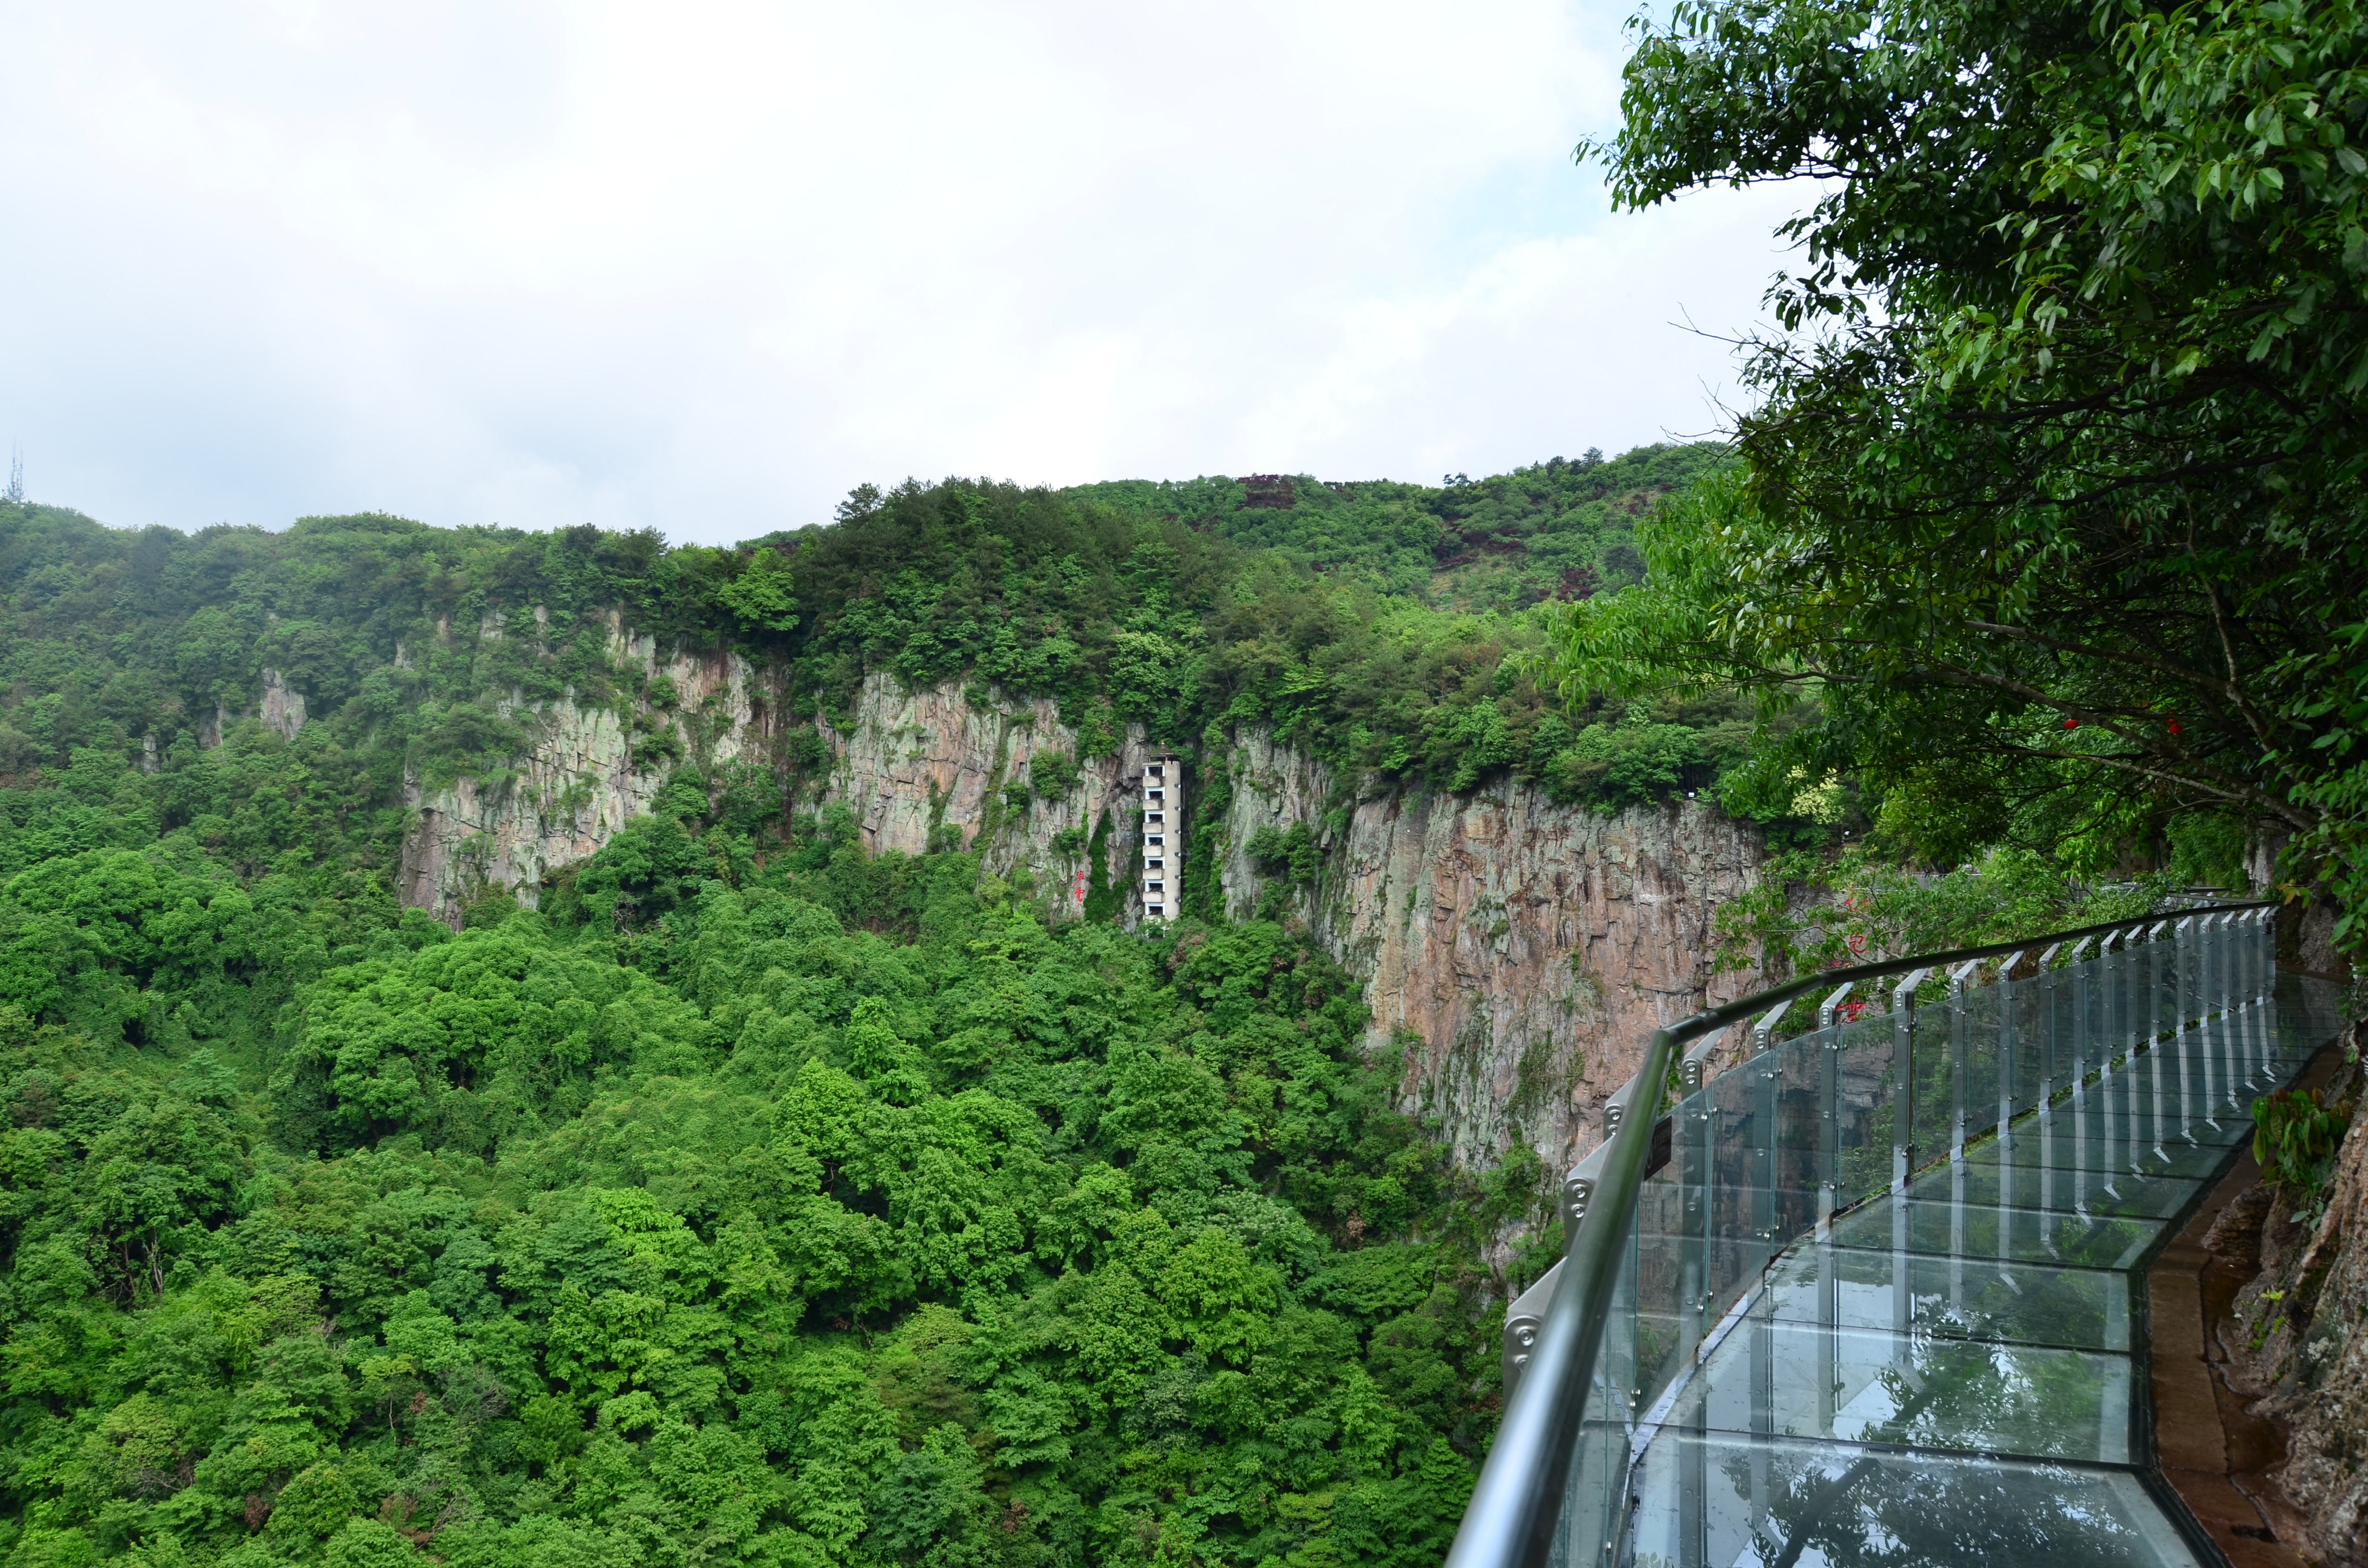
(2053, 496)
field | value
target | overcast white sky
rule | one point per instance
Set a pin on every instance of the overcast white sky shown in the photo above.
(706, 267)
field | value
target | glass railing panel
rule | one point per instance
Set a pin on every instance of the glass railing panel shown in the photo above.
(1662, 1311)
(2305, 1010)
(1718, 1498)
(2171, 956)
(2120, 1007)
(1931, 1129)
(1953, 1297)
(1866, 1058)
(2027, 1006)
(1800, 1147)
(2190, 936)
(1985, 1075)
(1595, 1493)
(1740, 1218)
(2059, 1041)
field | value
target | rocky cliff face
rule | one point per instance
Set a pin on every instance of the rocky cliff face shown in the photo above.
(970, 768)
(2295, 1339)
(579, 783)
(1518, 952)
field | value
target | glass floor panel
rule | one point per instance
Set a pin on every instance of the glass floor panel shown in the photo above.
(2173, 1156)
(2198, 1120)
(2047, 1187)
(1959, 1298)
(1809, 1380)
(1732, 1501)
(2032, 1234)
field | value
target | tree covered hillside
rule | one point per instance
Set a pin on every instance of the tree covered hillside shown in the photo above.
(754, 1199)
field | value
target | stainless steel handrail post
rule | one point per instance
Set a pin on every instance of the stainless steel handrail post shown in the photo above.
(2009, 1044)
(1829, 1109)
(1903, 1087)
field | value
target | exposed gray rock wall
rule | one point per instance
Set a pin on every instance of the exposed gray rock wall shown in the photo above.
(934, 767)
(578, 782)
(282, 707)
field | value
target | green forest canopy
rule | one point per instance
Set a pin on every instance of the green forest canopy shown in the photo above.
(755, 1199)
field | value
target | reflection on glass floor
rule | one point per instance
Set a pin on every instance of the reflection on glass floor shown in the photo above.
(1947, 1377)
(2038, 1236)
(1716, 1499)
(1950, 1298)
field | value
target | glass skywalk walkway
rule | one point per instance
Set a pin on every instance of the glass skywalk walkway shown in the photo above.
(1876, 1298)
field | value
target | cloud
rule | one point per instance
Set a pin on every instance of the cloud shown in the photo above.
(706, 268)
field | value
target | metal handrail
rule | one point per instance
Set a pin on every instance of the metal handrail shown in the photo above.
(1510, 1519)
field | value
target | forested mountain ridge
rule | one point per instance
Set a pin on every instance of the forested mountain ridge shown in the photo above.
(756, 1198)
(1175, 604)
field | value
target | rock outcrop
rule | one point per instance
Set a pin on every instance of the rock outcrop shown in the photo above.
(1522, 951)
(2295, 1341)
(581, 780)
(282, 707)
(973, 768)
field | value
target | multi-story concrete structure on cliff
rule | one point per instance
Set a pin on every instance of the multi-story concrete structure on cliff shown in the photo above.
(1163, 815)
